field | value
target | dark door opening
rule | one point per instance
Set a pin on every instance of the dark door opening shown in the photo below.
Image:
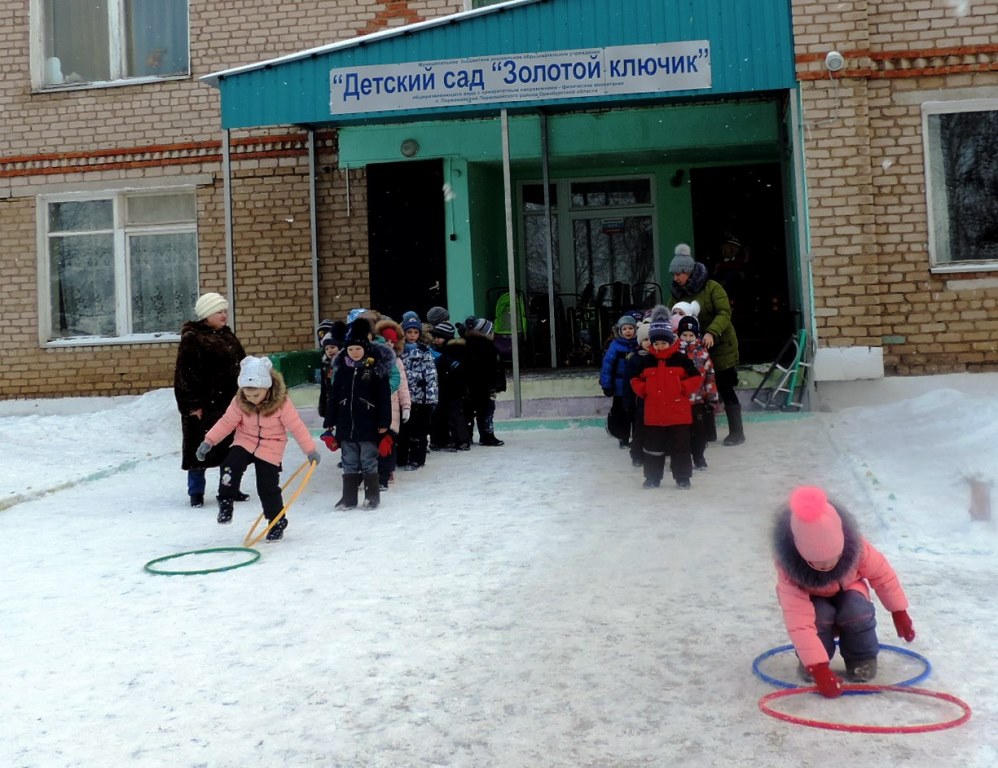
(405, 220)
(739, 231)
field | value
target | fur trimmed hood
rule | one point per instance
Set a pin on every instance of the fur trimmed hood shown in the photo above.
(273, 402)
(387, 322)
(796, 567)
(695, 283)
(379, 356)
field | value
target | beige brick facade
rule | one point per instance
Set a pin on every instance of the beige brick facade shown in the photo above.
(864, 169)
(866, 179)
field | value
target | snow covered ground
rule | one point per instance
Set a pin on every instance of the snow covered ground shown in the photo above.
(529, 605)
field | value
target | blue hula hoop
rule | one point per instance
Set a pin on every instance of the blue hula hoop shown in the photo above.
(926, 671)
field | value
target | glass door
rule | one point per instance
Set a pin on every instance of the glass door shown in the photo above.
(603, 243)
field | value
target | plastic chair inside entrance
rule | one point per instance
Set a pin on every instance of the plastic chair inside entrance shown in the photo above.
(504, 324)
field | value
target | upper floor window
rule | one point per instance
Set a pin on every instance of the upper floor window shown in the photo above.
(109, 41)
(961, 169)
(117, 265)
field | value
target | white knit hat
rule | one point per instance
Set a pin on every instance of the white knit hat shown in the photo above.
(255, 372)
(209, 304)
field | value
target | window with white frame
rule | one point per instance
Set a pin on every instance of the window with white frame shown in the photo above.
(961, 169)
(108, 41)
(117, 267)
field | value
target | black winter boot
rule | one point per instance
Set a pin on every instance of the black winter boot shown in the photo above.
(489, 438)
(224, 511)
(372, 491)
(735, 434)
(349, 498)
(277, 532)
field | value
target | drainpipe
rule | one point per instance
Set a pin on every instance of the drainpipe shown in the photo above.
(227, 216)
(511, 264)
(313, 226)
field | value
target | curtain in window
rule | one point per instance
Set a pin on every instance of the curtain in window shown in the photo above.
(164, 281)
(76, 41)
(82, 285)
(156, 38)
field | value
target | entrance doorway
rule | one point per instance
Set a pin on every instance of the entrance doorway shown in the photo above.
(603, 262)
(405, 219)
(740, 235)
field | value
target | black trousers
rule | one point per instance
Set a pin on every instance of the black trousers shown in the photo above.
(413, 435)
(673, 441)
(479, 408)
(448, 425)
(268, 480)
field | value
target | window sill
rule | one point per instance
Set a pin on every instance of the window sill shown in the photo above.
(964, 267)
(61, 87)
(105, 341)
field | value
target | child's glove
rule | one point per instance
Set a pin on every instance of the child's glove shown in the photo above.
(202, 452)
(314, 457)
(329, 439)
(405, 415)
(608, 391)
(902, 623)
(385, 446)
(827, 681)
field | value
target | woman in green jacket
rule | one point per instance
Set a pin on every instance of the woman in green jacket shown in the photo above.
(690, 282)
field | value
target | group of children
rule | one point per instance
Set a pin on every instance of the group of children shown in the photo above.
(390, 392)
(661, 379)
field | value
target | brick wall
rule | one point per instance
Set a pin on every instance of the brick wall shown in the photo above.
(864, 171)
(866, 180)
(168, 129)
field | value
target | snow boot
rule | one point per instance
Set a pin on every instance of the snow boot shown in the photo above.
(197, 499)
(489, 438)
(861, 671)
(349, 498)
(277, 532)
(240, 496)
(699, 462)
(224, 511)
(372, 491)
(736, 436)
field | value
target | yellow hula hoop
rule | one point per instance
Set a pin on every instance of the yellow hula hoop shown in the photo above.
(249, 541)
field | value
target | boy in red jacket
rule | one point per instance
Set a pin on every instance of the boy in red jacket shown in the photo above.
(666, 380)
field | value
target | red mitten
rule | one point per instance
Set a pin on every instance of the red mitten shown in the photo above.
(902, 623)
(329, 439)
(827, 681)
(385, 446)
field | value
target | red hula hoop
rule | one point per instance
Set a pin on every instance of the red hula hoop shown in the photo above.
(764, 706)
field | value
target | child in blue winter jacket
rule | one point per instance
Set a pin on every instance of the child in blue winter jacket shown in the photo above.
(614, 381)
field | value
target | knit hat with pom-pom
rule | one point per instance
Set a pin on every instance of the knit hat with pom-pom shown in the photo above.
(816, 526)
(660, 329)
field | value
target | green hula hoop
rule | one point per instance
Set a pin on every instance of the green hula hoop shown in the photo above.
(254, 556)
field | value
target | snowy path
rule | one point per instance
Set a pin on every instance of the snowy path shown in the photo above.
(524, 606)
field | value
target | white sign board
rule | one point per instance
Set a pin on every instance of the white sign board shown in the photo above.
(624, 69)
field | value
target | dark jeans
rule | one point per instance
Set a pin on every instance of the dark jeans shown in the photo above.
(413, 435)
(852, 617)
(702, 430)
(268, 480)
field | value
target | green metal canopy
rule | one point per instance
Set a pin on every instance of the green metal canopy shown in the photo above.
(522, 54)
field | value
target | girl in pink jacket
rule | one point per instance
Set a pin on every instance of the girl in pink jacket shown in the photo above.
(261, 415)
(825, 569)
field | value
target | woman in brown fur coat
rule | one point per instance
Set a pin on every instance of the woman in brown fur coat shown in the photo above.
(204, 384)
